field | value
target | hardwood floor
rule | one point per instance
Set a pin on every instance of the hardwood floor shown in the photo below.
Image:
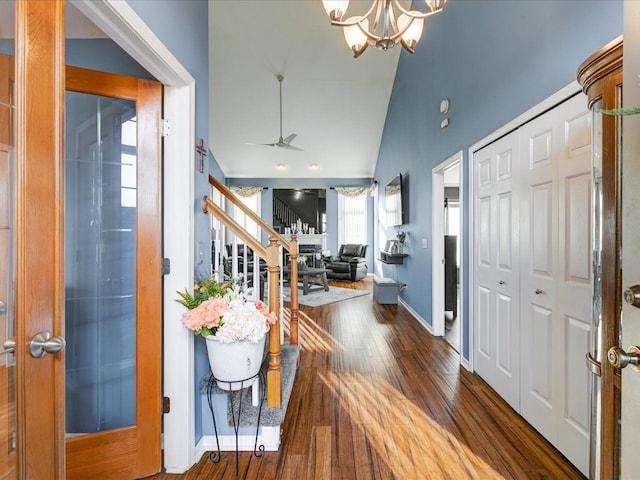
(377, 397)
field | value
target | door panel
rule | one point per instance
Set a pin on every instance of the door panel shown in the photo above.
(112, 276)
(496, 271)
(555, 288)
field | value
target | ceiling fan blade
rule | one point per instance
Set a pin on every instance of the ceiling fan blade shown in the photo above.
(262, 144)
(290, 138)
(291, 147)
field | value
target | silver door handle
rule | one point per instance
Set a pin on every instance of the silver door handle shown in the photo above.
(620, 359)
(8, 346)
(44, 343)
(3, 307)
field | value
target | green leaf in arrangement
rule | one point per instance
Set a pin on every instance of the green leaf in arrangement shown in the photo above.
(620, 111)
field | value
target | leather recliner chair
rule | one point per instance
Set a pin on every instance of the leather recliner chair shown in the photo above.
(350, 263)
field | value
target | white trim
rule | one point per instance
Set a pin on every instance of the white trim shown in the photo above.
(416, 315)
(549, 102)
(179, 177)
(269, 437)
(437, 242)
(123, 25)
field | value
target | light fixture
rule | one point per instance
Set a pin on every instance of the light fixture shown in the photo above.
(313, 166)
(387, 27)
(281, 166)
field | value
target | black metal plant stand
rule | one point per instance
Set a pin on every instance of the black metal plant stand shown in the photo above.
(258, 451)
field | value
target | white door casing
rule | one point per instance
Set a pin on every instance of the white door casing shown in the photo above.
(437, 242)
(555, 216)
(496, 267)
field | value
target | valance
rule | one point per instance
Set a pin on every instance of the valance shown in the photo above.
(352, 192)
(246, 191)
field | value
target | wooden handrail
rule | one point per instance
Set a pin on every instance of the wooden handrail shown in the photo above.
(291, 246)
(270, 254)
(209, 207)
(247, 211)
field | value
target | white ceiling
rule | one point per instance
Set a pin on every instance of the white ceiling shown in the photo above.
(335, 104)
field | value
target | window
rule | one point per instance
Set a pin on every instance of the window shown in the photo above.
(128, 168)
(352, 219)
(253, 202)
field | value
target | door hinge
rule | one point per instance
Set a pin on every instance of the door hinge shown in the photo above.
(166, 404)
(166, 127)
(166, 266)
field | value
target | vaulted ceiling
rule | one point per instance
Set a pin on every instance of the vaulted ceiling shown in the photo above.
(334, 103)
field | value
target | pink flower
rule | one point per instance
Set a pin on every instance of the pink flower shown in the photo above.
(270, 317)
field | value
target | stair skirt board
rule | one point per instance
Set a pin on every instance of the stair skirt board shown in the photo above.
(269, 437)
(270, 419)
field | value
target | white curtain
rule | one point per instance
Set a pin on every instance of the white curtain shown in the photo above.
(252, 198)
(352, 215)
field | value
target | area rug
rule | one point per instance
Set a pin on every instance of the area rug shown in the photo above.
(318, 297)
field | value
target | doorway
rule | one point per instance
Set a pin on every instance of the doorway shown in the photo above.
(446, 251)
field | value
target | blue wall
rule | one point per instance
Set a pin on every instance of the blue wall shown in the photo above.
(493, 60)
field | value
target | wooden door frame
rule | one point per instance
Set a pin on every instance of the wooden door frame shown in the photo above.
(124, 26)
(39, 285)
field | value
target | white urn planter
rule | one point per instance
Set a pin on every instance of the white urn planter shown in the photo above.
(231, 363)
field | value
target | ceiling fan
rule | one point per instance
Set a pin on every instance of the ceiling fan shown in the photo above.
(282, 142)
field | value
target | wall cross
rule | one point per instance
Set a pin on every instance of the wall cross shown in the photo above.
(202, 152)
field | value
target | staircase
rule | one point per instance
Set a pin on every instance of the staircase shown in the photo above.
(271, 254)
(285, 216)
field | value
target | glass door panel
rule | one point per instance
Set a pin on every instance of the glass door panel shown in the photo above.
(8, 440)
(100, 263)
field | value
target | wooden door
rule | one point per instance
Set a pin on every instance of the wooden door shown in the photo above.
(555, 294)
(34, 153)
(496, 269)
(112, 276)
(601, 78)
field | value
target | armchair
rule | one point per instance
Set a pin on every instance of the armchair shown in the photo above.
(350, 263)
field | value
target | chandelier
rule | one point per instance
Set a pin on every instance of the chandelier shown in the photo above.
(387, 28)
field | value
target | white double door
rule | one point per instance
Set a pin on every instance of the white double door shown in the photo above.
(532, 280)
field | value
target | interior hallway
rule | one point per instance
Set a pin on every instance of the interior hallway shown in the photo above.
(377, 397)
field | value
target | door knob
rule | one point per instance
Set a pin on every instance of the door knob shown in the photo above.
(620, 359)
(3, 307)
(632, 296)
(44, 343)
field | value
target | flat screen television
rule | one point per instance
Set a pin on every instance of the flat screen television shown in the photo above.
(394, 201)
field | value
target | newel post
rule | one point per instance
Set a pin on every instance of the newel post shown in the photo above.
(274, 373)
(293, 281)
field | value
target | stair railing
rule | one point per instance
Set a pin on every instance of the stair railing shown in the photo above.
(270, 254)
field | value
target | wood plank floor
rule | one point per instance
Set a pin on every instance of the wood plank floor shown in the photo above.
(377, 397)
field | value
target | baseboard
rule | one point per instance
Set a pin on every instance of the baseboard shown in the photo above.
(269, 437)
(417, 316)
(465, 363)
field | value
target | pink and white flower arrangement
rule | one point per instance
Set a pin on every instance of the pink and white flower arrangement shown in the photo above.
(223, 312)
